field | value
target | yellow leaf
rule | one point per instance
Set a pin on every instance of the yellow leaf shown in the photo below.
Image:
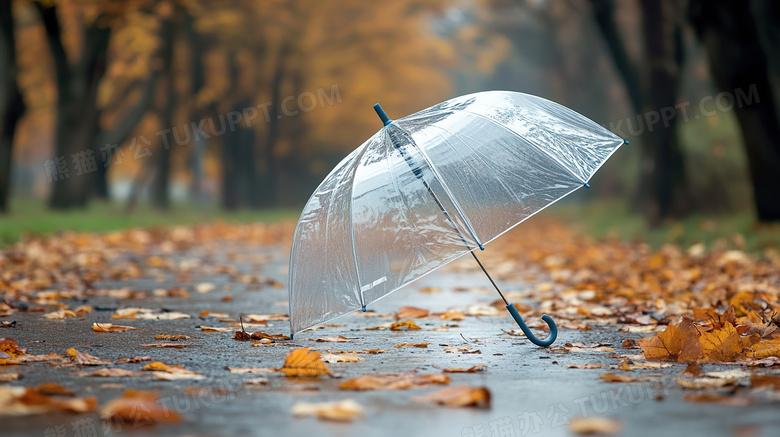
(301, 362)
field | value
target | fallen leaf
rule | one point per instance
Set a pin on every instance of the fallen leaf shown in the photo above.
(594, 426)
(215, 329)
(11, 347)
(108, 327)
(156, 366)
(611, 377)
(765, 349)
(585, 366)
(114, 372)
(721, 345)
(675, 343)
(139, 408)
(692, 370)
(302, 362)
(264, 318)
(176, 373)
(341, 358)
(8, 377)
(333, 339)
(458, 396)
(412, 313)
(167, 345)
(60, 314)
(420, 345)
(85, 359)
(22, 401)
(273, 337)
(147, 314)
(765, 381)
(340, 411)
(393, 381)
(735, 401)
(464, 349)
(171, 337)
(205, 287)
(407, 325)
(251, 370)
(134, 360)
(53, 389)
(474, 369)
(454, 315)
(482, 310)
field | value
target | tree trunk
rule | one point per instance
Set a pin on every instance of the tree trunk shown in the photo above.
(160, 194)
(663, 168)
(652, 91)
(11, 103)
(77, 114)
(740, 66)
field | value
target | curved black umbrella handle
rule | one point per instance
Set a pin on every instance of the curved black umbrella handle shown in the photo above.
(547, 319)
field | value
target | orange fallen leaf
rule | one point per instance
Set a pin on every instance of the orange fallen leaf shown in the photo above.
(412, 313)
(735, 401)
(675, 343)
(407, 325)
(393, 381)
(474, 369)
(11, 348)
(85, 359)
(765, 381)
(171, 337)
(109, 327)
(692, 370)
(139, 408)
(21, 401)
(420, 345)
(302, 362)
(765, 349)
(156, 366)
(274, 337)
(458, 396)
(721, 344)
(594, 426)
(454, 315)
(53, 389)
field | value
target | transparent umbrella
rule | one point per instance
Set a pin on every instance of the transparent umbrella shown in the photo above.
(431, 187)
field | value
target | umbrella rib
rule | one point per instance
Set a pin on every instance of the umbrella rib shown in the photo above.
(529, 140)
(447, 191)
(352, 227)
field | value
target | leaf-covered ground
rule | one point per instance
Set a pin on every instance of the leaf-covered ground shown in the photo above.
(184, 330)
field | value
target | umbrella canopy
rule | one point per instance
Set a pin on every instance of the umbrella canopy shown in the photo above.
(431, 187)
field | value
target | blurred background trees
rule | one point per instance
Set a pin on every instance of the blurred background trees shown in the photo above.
(249, 104)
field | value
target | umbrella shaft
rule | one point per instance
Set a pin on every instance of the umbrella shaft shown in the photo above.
(489, 277)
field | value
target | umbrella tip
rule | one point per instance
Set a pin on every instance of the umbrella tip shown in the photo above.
(364, 308)
(586, 185)
(292, 336)
(381, 113)
(626, 142)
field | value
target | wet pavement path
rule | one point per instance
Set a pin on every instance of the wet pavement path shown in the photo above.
(533, 393)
